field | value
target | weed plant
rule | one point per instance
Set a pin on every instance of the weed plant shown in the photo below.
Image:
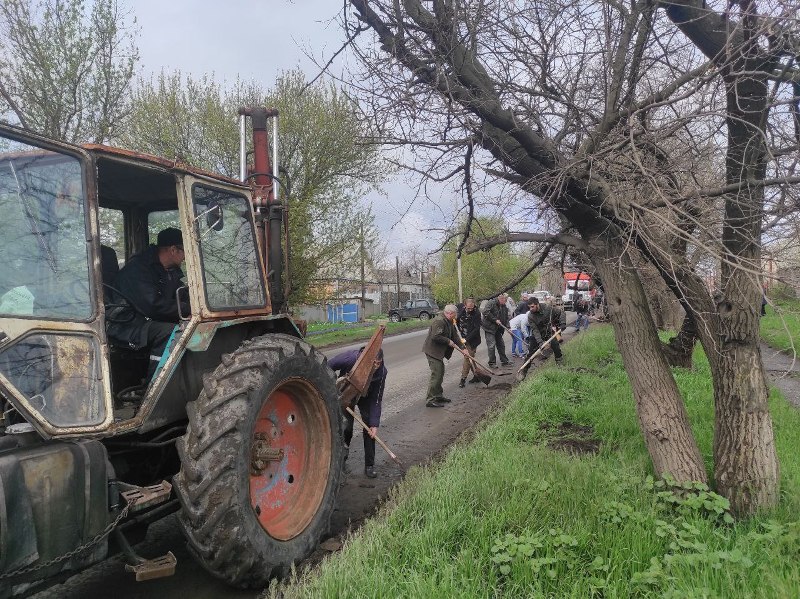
(503, 516)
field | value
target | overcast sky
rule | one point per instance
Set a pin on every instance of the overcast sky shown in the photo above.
(258, 40)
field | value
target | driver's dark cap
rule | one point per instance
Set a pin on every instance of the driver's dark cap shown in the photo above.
(170, 236)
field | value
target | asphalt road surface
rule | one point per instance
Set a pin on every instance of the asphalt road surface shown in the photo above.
(414, 432)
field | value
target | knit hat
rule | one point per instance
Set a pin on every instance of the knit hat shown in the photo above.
(170, 236)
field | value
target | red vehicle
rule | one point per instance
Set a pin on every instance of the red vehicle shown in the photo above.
(576, 285)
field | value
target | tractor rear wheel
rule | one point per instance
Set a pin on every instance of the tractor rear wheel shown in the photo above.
(261, 460)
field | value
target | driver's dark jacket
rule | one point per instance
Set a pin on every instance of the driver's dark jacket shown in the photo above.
(151, 288)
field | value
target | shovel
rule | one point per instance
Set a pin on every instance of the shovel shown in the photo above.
(357, 418)
(556, 335)
(482, 373)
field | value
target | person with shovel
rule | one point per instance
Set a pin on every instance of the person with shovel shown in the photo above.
(442, 339)
(543, 321)
(495, 321)
(369, 405)
(469, 327)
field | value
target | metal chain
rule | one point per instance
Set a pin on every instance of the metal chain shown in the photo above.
(70, 554)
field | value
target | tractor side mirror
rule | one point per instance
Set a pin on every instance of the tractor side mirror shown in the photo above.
(214, 219)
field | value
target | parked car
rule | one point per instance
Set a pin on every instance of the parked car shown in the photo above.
(542, 296)
(424, 309)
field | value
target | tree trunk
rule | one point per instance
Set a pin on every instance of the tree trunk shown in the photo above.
(745, 462)
(659, 405)
(680, 348)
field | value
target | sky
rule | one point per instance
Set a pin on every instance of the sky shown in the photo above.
(256, 41)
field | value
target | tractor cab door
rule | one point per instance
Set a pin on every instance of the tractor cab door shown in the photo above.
(227, 256)
(51, 334)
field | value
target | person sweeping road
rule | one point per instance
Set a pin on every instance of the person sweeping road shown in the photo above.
(442, 338)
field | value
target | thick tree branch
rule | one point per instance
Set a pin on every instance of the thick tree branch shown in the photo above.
(490, 242)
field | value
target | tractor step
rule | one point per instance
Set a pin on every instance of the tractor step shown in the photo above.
(159, 567)
(140, 498)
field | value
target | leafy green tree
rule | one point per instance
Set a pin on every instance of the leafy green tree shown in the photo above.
(483, 274)
(325, 146)
(65, 69)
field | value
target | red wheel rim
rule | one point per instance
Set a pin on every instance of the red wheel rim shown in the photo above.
(293, 431)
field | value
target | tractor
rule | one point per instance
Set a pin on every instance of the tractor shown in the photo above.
(238, 430)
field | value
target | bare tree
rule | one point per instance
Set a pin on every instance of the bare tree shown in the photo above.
(615, 119)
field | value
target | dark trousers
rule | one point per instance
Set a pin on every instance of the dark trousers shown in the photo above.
(533, 346)
(495, 340)
(157, 336)
(369, 442)
(435, 390)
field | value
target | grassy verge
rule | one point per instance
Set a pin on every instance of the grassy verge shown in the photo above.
(506, 516)
(780, 328)
(357, 334)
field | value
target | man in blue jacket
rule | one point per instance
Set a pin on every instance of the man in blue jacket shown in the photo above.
(369, 405)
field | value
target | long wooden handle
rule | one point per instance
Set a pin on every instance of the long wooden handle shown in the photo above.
(357, 418)
(538, 351)
(510, 332)
(472, 359)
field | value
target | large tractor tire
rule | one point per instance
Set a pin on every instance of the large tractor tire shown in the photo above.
(261, 461)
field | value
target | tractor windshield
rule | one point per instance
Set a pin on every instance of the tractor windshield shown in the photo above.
(44, 271)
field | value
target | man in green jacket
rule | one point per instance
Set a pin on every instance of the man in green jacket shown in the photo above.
(442, 338)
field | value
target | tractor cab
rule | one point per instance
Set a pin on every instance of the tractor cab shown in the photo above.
(72, 216)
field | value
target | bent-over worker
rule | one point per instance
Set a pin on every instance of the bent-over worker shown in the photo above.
(369, 404)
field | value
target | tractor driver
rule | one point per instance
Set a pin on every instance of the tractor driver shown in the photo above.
(146, 309)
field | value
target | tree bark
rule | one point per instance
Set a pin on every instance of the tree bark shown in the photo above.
(659, 405)
(680, 348)
(746, 465)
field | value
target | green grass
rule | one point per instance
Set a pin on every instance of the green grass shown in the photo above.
(780, 328)
(359, 333)
(504, 516)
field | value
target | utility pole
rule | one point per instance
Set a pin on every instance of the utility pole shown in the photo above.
(460, 288)
(363, 283)
(397, 268)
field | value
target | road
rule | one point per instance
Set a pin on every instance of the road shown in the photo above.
(415, 433)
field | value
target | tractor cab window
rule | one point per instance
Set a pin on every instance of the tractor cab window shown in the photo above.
(223, 227)
(44, 272)
(160, 220)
